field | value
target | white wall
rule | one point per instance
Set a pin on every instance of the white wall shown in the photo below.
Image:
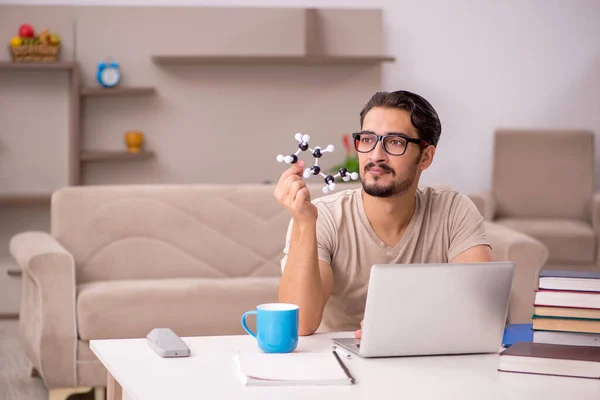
(483, 64)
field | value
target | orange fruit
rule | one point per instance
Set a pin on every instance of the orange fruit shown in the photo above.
(16, 41)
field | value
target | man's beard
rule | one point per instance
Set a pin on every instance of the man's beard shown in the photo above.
(398, 187)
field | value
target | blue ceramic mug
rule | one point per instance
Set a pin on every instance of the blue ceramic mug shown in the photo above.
(276, 327)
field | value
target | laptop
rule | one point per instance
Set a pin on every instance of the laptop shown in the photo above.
(434, 309)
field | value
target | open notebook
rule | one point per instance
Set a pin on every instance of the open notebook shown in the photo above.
(262, 369)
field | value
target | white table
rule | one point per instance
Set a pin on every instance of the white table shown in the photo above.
(136, 372)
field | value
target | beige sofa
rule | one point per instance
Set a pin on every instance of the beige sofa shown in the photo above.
(543, 186)
(121, 260)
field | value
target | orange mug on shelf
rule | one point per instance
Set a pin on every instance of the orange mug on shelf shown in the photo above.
(134, 140)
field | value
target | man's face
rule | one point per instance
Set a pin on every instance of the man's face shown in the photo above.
(385, 175)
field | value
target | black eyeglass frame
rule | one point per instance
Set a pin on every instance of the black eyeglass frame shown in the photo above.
(356, 136)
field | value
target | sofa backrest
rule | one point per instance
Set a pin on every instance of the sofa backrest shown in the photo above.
(541, 174)
(171, 231)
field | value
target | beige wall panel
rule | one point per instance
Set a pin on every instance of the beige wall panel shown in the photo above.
(211, 124)
(134, 34)
(34, 131)
(347, 32)
(34, 107)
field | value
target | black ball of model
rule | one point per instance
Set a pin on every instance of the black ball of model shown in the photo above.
(315, 170)
(303, 146)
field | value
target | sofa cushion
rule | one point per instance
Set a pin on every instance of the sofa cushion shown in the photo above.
(190, 307)
(567, 240)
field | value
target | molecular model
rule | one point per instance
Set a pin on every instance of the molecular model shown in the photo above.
(317, 153)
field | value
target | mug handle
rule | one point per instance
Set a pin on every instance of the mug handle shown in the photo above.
(244, 322)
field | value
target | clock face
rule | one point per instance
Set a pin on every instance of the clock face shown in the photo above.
(110, 76)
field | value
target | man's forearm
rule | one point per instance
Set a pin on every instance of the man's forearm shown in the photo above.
(301, 280)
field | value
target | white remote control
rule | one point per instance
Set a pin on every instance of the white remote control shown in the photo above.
(166, 343)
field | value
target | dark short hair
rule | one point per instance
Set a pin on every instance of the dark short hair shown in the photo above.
(422, 114)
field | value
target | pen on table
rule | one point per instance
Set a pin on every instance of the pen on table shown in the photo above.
(341, 352)
(339, 360)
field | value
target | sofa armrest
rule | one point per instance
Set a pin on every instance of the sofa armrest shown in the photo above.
(485, 203)
(595, 212)
(595, 216)
(529, 255)
(47, 317)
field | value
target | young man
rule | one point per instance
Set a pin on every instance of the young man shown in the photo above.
(334, 240)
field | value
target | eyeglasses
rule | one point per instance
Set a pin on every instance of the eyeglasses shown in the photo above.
(394, 144)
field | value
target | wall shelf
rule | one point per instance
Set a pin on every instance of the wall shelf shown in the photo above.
(14, 272)
(118, 91)
(25, 200)
(101, 156)
(269, 60)
(9, 65)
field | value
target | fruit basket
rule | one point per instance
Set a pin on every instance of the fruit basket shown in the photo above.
(29, 47)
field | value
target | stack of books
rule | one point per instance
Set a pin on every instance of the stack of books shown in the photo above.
(567, 308)
(566, 328)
